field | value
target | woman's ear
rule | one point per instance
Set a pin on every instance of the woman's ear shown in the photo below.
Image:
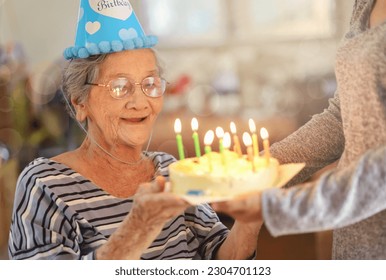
(80, 110)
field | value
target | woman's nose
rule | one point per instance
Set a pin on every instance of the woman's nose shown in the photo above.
(137, 99)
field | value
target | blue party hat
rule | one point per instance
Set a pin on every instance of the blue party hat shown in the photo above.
(107, 26)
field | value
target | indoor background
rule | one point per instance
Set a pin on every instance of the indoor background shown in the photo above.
(225, 60)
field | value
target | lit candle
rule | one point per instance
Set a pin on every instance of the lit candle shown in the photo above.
(227, 141)
(220, 135)
(248, 143)
(236, 147)
(196, 141)
(180, 146)
(227, 144)
(264, 135)
(208, 140)
(255, 143)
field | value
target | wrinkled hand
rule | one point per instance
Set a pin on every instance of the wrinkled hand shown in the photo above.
(245, 209)
(153, 207)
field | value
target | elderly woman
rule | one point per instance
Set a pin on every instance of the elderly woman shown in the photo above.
(94, 202)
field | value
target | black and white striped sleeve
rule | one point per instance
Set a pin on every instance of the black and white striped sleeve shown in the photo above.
(208, 229)
(42, 227)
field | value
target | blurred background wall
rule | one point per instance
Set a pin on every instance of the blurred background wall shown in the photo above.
(226, 60)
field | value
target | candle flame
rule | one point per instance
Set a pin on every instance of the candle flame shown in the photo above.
(233, 128)
(194, 124)
(227, 140)
(252, 126)
(177, 126)
(264, 133)
(247, 139)
(219, 132)
(208, 138)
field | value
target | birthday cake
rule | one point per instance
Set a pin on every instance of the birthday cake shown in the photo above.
(222, 175)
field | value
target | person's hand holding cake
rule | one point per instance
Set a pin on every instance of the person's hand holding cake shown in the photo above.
(302, 208)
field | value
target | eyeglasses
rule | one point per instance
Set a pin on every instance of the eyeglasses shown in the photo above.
(121, 87)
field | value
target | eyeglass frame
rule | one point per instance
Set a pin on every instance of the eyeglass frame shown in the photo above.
(132, 83)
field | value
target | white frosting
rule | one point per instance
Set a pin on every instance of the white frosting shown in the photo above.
(222, 175)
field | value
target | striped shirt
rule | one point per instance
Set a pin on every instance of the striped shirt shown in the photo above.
(59, 214)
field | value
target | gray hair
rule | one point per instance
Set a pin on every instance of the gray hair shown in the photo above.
(79, 72)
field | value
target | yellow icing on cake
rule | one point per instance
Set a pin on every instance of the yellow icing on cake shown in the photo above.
(224, 174)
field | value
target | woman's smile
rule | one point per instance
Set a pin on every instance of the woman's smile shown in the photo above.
(135, 120)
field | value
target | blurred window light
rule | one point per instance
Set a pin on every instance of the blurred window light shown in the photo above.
(277, 19)
(180, 23)
(185, 23)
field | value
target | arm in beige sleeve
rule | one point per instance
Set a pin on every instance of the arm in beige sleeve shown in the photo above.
(318, 143)
(339, 198)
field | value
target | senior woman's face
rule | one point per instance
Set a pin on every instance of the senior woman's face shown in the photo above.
(126, 121)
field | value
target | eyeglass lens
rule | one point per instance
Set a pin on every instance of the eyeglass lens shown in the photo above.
(151, 86)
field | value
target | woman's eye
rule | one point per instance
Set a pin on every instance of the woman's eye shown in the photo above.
(120, 87)
(148, 85)
(150, 82)
(119, 91)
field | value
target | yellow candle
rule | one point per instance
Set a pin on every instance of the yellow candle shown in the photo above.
(255, 143)
(208, 140)
(180, 146)
(264, 135)
(236, 147)
(220, 136)
(227, 145)
(196, 141)
(248, 143)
